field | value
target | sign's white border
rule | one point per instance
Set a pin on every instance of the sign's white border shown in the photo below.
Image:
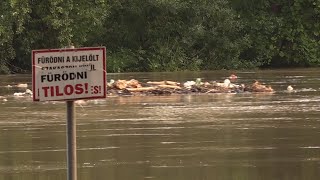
(67, 50)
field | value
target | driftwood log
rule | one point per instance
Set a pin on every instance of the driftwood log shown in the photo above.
(173, 83)
(141, 89)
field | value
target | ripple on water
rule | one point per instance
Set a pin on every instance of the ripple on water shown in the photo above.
(36, 168)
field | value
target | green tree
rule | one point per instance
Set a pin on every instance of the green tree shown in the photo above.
(174, 35)
(282, 33)
(300, 42)
(29, 24)
(165, 35)
(7, 30)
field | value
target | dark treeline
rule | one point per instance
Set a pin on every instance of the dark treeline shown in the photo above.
(165, 35)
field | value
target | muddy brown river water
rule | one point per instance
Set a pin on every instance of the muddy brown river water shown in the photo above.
(178, 137)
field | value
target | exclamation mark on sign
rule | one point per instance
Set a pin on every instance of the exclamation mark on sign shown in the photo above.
(86, 87)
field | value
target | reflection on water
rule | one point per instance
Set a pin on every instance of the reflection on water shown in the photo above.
(179, 137)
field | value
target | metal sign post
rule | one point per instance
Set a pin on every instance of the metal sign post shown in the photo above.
(71, 141)
(69, 74)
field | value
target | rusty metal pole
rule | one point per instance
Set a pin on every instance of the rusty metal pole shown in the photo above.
(71, 140)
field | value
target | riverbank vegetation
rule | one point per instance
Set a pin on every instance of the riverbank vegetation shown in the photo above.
(165, 35)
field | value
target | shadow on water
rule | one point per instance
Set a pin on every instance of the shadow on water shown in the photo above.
(217, 136)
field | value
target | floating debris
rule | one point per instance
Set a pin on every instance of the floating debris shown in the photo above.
(258, 87)
(28, 92)
(134, 87)
(3, 99)
(110, 83)
(81, 102)
(141, 89)
(123, 84)
(22, 85)
(198, 82)
(189, 84)
(308, 90)
(19, 94)
(233, 77)
(163, 83)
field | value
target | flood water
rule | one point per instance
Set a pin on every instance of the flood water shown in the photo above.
(178, 137)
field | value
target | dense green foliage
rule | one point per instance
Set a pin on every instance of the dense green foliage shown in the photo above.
(282, 32)
(165, 35)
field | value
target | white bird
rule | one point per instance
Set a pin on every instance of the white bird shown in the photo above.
(290, 88)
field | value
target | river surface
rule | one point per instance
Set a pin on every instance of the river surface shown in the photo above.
(178, 137)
